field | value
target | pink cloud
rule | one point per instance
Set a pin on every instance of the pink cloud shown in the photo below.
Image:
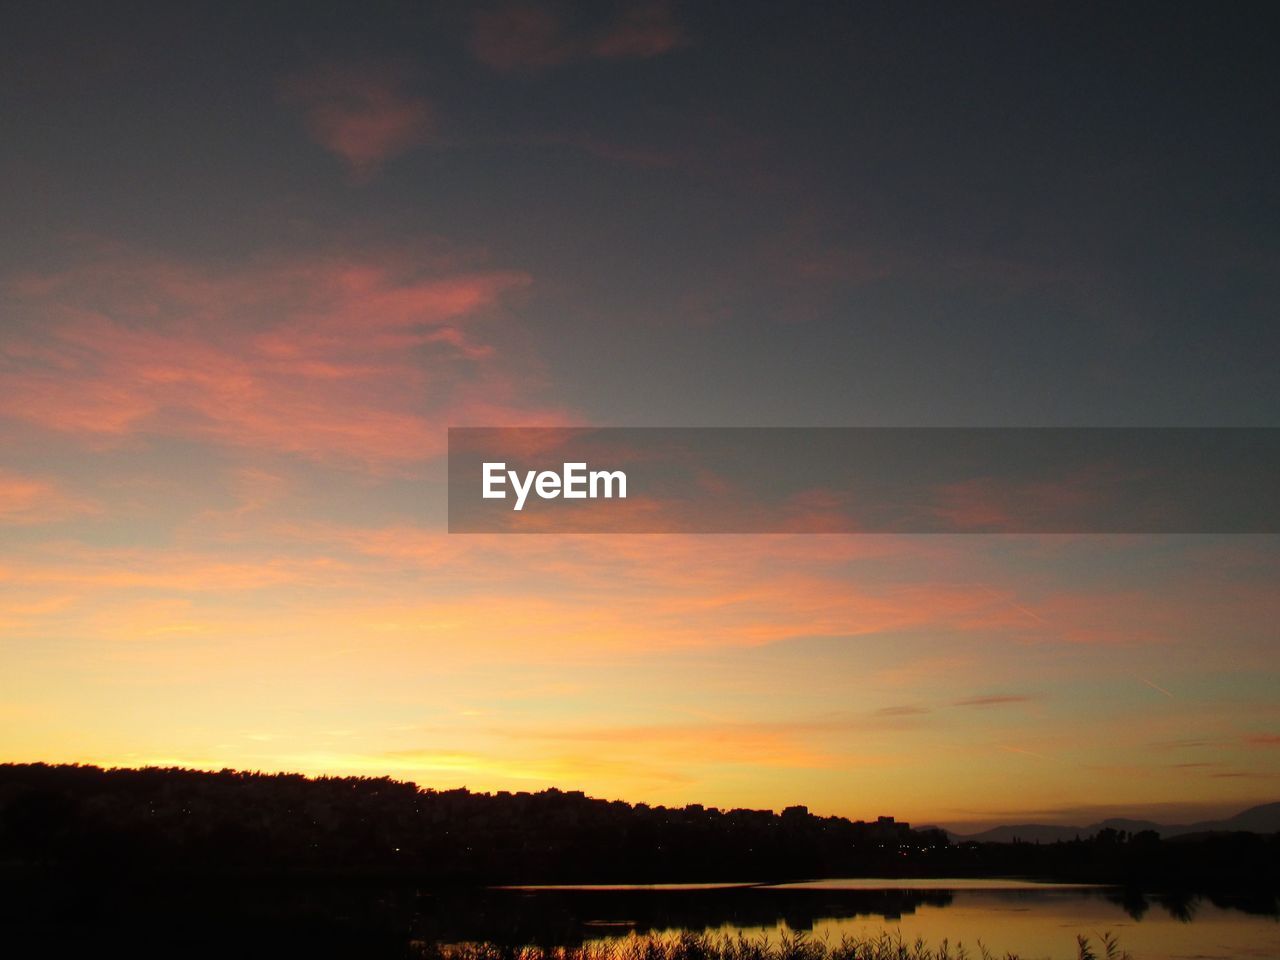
(667, 592)
(363, 115)
(520, 36)
(643, 30)
(336, 357)
(33, 500)
(1000, 505)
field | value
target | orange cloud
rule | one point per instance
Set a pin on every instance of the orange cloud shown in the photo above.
(661, 592)
(625, 665)
(363, 115)
(32, 500)
(77, 565)
(334, 357)
(784, 743)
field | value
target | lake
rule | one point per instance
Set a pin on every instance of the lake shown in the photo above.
(1032, 919)
(373, 919)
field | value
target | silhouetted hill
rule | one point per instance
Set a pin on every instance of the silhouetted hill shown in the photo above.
(89, 826)
(1027, 833)
(1264, 818)
(1260, 819)
(191, 822)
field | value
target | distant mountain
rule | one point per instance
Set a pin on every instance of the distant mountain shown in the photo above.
(1027, 832)
(1260, 819)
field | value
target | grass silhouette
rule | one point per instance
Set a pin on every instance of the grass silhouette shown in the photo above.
(702, 946)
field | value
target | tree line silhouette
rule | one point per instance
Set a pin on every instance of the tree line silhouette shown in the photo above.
(176, 822)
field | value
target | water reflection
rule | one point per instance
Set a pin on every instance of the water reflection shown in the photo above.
(570, 916)
(374, 920)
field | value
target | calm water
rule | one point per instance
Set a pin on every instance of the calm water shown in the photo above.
(1032, 919)
(374, 921)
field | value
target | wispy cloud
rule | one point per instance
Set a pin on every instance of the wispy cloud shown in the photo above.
(533, 36)
(904, 711)
(358, 357)
(642, 30)
(26, 500)
(784, 744)
(1022, 751)
(995, 700)
(1153, 685)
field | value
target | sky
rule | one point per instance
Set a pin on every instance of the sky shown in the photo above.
(258, 258)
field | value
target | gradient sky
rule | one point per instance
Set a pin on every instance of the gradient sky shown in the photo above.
(256, 262)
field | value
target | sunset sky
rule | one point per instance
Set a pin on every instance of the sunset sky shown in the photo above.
(255, 264)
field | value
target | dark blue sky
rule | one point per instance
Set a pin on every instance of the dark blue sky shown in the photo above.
(744, 214)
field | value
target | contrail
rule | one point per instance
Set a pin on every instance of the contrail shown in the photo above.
(1154, 686)
(1017, 606)
(1029, 753)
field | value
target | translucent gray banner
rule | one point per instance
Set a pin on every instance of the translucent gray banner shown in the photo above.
(863, 480)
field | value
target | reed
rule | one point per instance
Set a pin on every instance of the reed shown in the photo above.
(790, 946)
